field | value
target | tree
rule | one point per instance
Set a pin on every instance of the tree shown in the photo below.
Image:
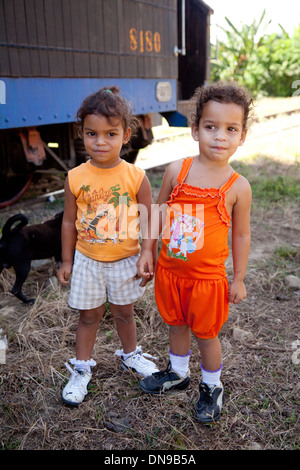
(237, 52)
(121, 201)
(266, 64)
(278, 57)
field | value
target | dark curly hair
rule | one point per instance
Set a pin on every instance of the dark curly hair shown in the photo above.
(223, 92)
(109, 103)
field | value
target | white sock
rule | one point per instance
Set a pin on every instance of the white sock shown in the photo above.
(211, 377)
(126, 356)
(79, 364)
(180, 364)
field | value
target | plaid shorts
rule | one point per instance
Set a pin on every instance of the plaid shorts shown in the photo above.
(93, 282)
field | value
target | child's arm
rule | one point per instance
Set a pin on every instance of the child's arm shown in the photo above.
(68, 235)
(157, 212)
(145, 264)
(240, 241)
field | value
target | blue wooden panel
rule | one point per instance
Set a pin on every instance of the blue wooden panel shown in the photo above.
(28, 102)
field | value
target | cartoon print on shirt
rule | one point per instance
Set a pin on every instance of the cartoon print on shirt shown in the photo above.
(105, 218)
(185, 232)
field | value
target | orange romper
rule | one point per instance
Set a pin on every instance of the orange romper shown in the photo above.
(191, 285)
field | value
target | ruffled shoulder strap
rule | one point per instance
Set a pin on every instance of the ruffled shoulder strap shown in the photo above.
(222, 203)
(226, 186)
(186, 164)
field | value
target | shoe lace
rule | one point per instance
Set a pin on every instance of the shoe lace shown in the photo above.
(138, 352)
(75, 376)
(162, 373)
(206, 393)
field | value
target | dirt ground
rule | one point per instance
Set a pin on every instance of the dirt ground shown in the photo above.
(260, 371)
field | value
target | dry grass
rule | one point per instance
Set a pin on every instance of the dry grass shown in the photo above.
(261, 381)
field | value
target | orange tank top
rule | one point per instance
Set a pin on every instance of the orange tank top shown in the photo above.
(194, 239)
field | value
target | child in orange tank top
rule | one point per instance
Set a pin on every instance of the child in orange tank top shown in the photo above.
(199, 199)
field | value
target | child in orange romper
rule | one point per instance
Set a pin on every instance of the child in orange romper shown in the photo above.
(203, 195)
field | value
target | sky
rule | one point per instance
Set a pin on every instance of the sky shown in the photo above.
(287, 13)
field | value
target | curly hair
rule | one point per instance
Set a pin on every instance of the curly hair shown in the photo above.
(109, 103)
(223, 92)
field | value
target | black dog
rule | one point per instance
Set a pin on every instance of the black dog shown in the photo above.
(21, 244)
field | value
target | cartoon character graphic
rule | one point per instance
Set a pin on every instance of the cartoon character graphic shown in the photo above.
(102, 227)
(185, 232)
(105, 219)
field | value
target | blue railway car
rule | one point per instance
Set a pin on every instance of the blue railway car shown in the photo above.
(53, 53)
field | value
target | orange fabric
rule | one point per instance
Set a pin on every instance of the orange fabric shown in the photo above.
(196, 230)
(202, 304)
(107, 217)
(194, 251)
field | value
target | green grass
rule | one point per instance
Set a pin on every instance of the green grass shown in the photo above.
(271, 181)
(275, 189)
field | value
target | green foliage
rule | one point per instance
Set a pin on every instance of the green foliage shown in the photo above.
(266, 64)
(276, 188)
(279, 60)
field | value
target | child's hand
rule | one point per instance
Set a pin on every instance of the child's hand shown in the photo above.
(145, 268)
(64, 273)
(237, 292)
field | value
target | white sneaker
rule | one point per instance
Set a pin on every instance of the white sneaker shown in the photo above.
(76, 389)
(138, 362)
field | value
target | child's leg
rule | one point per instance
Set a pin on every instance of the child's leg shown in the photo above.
(209, 405)
(180, 339)
(180, 342)
(177, 375)
(132, 357)
(126, 327)
(76, 389)
(210, 350)
(86, 332)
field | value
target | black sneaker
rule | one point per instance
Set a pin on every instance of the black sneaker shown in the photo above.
(163, 381)
(208, 407)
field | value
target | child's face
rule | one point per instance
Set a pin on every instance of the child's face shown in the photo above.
(103, 139)
(220, 131)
